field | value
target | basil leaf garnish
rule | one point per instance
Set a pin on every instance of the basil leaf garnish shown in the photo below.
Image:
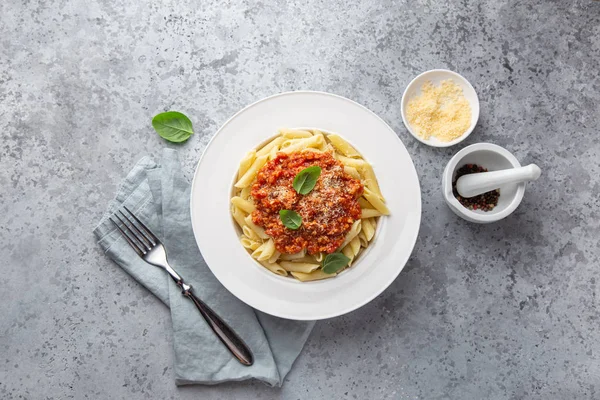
(290, 219)
(306, 179)
(333, 262)
(173, 126)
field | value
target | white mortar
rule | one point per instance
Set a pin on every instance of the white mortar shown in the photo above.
(493, 158)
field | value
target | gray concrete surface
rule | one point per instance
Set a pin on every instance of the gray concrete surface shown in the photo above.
(505, 311)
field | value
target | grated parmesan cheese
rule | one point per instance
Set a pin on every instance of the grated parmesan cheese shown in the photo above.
(440, 111)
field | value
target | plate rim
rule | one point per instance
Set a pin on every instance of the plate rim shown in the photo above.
(413, 239)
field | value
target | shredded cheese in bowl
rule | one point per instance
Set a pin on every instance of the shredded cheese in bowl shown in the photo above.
(441, 111)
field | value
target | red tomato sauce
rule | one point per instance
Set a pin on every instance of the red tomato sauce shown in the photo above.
(327, 212)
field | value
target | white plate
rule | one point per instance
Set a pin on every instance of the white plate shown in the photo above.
(436, 76)
(217, 237)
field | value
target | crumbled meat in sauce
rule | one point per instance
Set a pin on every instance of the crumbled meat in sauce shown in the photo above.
(327, 212)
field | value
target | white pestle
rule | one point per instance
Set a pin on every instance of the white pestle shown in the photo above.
(474, 184)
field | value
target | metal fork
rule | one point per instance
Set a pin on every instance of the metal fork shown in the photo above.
(151, 250)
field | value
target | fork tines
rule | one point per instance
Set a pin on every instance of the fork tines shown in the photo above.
(139, 237)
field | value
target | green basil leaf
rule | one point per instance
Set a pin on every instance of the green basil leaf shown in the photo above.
(173, 126)
(333, 262)
(306, 179)
(290, 219)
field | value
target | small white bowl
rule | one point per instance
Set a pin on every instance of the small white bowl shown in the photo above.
(493, 158)
(436, 76)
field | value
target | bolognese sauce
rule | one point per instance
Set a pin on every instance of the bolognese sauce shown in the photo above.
(327, 212)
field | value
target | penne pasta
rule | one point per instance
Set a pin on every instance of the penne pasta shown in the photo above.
(258, 231)
(250, 233)
(275, 268)
(363, 239)
(370, 213)
(313, 276)
(246, 163)
(354, 231)
(347, 251)
(266, 149)
(355, 245)
(376, 201)
(291, 266)
(368, 229)
(260, 245)
(353, 172)
(238, 216)
(352, 249)
(301, 144)
(245, 193)
(243, 204)
(294, 133)
(307, 259)
(251, 173)
(313, 150)
(370, 180)
(364, 203)
(352, 162)
(323, 145)
(329, 148)
(374, 222)
(288, 142)
(296, 256)
(249, 243)
(274, 257)
(343, 146)
(265, 251)
(321, 142)
(273, 153)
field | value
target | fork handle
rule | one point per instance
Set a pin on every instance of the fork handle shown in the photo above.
(228, 337)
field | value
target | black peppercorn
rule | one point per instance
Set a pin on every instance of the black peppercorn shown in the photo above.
(484, 202)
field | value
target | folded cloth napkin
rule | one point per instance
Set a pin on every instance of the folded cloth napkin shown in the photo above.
(159, 195)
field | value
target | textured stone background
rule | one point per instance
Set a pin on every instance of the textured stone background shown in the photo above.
(505, 311)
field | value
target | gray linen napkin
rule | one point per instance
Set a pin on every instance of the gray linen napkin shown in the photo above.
(159, 196)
